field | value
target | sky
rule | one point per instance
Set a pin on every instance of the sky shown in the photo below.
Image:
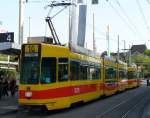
(130, 19)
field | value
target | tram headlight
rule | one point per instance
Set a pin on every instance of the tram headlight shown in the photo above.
(28, 94)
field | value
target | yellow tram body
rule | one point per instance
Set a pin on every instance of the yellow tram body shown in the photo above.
(122, 76)
(110, 76)
(54, 77)
(60, 93)
(132, 77)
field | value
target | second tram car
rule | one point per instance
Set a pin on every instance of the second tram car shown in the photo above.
(122, 76)
(110, 76)
(132, 77)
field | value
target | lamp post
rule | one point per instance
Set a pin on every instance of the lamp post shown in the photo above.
(21, 21)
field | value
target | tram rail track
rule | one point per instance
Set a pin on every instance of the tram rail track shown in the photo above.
(127, 107)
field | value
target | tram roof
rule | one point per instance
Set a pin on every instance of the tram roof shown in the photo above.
(85, 52)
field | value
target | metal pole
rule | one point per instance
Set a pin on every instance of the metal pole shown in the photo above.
(124, 50)
(118, 50)
(21, 21)
(70, 26)
(29, 26)
(129, 55)
(108, 41)
(94, 46)
(86, 45)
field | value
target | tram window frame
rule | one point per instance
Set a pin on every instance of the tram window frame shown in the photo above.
(122, 74)
(74, 70)
(30, 70)
(83, 72)
(131, 75)
(63, 74)
(49, 72)
(107, 76)
(89, 70)
(98, 73)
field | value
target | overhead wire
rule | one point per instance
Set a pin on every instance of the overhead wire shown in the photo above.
(36, 1)
(100, 33)
(148, 1)
(127, 17)
(122, 18)
(143, 15)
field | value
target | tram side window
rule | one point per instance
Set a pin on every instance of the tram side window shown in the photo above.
(74, 70)
(91, 73)
(135, 75)
(132, 75)
(83, 72)
(122, 74)
(48, 70)
(97, 71)
(63, 69)
(110, 73)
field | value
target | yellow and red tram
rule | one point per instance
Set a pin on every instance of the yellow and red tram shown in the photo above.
(132, 77)
(110, 76)
(122, 76)
(53, 76)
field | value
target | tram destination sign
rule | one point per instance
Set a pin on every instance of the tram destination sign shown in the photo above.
(31, 50)
(7, 37)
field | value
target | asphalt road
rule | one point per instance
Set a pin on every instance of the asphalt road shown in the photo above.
(133, 103)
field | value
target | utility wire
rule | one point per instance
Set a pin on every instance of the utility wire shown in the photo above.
(148, 1)
(128, 18)
(143, 16)
(45, 1)
(122, 18)
(36, 1)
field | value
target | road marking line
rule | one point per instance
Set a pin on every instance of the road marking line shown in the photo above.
(123, 116)
(99, 116)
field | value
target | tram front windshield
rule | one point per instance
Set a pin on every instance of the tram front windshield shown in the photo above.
(30, 70)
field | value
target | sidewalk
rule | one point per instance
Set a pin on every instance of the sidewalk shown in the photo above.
(8, 104)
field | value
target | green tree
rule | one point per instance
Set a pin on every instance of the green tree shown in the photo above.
(142, 60)
(147, 52)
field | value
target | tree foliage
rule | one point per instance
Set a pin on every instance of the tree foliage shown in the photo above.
(147, 52)
(142, 60)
